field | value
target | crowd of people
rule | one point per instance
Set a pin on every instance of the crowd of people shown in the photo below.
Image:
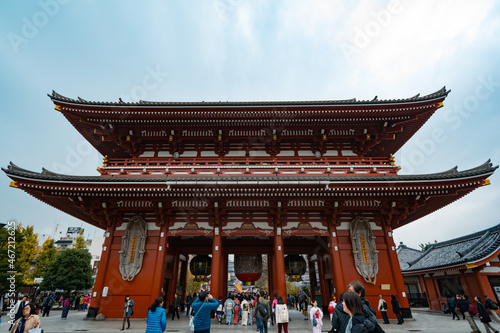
(486, 312)
(350, 313)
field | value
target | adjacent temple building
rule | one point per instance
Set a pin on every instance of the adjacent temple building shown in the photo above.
(280, 179)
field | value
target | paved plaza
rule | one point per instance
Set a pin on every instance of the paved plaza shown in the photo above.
(424, 321)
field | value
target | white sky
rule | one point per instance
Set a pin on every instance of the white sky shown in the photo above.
(242, 50)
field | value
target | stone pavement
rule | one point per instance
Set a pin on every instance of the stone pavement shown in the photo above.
(424, 321)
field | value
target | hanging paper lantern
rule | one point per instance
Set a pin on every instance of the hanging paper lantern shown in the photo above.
(201, 267)
(248, 268)
(295, 267)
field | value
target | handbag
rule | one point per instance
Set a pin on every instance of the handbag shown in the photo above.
(35, 330)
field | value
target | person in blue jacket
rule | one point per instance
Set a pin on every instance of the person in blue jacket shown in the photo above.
(157, 317)
(202, 308)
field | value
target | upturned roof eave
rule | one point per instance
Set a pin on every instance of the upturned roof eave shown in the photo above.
(440, 94)
(322, 180)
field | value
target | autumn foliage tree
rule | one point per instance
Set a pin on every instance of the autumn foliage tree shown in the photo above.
(46, 256)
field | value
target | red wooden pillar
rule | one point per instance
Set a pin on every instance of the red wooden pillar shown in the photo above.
(312, 277)
(279, 261)
(173, 282)
(395, 268)
(325, 299)
(272, 275)
(157, 284)
(338, 277)
(183, 278)
(215, 289)
(103, 268)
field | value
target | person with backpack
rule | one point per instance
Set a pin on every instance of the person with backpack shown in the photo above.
(484, 316)
(316, 317)
(396, 308)
(48, 303)
(382, 306)
(262, 312)
(468, 310)
(492, 307)
(282, 315)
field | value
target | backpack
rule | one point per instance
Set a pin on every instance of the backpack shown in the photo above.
(245, 307)
(51, 302)
(472, 310)
(493, 305)
(384, 305)
(262, 310)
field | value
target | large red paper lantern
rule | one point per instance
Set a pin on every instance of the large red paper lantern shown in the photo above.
(248, 268)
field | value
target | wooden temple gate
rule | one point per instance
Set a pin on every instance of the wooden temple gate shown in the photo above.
(275, 178)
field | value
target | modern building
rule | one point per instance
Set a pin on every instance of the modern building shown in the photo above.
(249, 179)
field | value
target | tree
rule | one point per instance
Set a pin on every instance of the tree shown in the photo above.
(70, 270)
(45, 258)
(191, 285)
(80, 241)
(29, 251)
(10, 250)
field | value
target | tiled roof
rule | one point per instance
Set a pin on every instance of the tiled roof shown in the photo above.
(485, 168)
(452, 253)
(417, 98)
(407, 255)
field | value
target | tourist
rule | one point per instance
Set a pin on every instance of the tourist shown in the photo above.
(382, 306)
(353, 306)
(156, 322)
(331, 307)
(86, 302)
(262, 312)
(316, 317)
(370, 319)
(188, 304)
(176, 307)
(220, 310)
(28, 320)
(244, 311)
(452, 305)
(128, 311)
(228, 309)
(492, 307)
(18, 308)
(273, 308)
(250, 311)
(463, 304)
(65, 309)
(202, 307)
(396, 308)
(236, 311)
(484, 316)
(340, 317)
(304, 302)
(47, 304)
(281, 314)
(358, 288)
